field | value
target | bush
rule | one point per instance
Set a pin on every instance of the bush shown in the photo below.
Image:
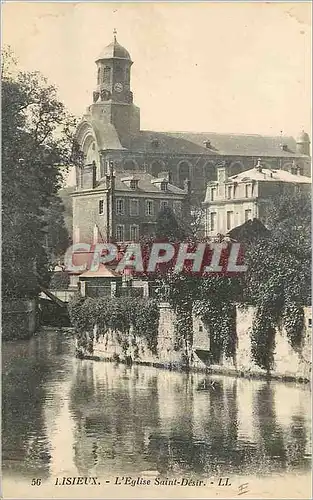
(60, 280)
(118, 314)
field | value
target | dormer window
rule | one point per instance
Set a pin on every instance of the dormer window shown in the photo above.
(161, 183)
(131, 182)
(284, 147)
(207, 143)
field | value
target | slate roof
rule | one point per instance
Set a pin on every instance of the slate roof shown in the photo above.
(101, 272)
(270, 175)
(220, 144)
(249, 230)
(114, 51)
(144, 184)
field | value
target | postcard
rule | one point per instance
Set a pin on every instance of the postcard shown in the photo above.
(156, 250)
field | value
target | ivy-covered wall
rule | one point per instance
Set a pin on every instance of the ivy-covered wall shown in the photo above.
(130, 341)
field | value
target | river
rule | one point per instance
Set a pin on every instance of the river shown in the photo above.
(67, 417)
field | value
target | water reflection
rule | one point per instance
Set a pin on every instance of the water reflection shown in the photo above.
(67, 416)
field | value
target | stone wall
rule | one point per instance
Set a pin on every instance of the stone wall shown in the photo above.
(19, 319)
(288, 364)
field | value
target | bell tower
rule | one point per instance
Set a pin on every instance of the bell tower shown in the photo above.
(113, 99)
(113, 74)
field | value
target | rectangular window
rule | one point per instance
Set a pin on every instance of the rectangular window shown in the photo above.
(213, 191)
(120, 209)
(200, 328)
(149, 207)
(229, 220)
(120, 233)
(163, 204)
(101, 207)
(247, 190)
(134, 207)
(177, 207)
(134, 233)
(133, 184)
(212, 221)
(310, 322)
(229, 192)
(248, 214)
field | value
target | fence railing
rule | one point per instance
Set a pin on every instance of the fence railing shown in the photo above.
(63, 295)
(88, 289)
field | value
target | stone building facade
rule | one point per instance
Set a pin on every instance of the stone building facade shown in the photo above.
(123, 206)
(110, 131)
(233, 200)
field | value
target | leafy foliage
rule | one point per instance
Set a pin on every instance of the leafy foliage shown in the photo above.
(167, 226)
(278, 280)
(37, 136)
(263, 338)
(60, 280)
(118, 315)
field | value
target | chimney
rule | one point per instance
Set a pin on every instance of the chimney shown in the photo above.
(187, 186)
(166, 175)
(94, 174)
(258, 165)
(110, 202)
(222, 173)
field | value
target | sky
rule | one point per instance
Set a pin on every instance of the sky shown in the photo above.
(211, 67)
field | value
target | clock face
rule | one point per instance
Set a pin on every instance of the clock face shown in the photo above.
(118, 87)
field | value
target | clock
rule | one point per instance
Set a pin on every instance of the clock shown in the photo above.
(118, 87)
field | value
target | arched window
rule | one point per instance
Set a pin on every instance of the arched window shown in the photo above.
(99, 75)
(235, 168)
(106, 74)
(183, 173)
(129, 165)
(209, 172)
(118, 73)
(157, 167)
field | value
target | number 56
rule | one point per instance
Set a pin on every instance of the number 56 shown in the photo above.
(36, 482)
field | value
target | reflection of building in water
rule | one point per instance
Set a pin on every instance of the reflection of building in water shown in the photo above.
(114, 408)
(139, 418)
(29, 406)
(60, 428)
(246, 430)
(293, 412)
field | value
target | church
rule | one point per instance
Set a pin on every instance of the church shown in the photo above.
(109, 134)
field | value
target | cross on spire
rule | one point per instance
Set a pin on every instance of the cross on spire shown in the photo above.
(114, 34)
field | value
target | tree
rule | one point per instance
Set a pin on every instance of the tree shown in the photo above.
(57, 238)
(278, 279)
(37, 136)
(65, 195)
(167, 226)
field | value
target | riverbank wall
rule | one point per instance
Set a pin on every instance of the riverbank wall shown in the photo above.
(288, 363)
(19, 319)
